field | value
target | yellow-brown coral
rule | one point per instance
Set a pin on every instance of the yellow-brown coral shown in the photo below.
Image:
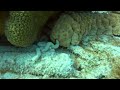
(72, 26)
(22, 26)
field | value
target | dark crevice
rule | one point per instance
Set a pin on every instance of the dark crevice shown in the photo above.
(116, 35)
(101, 77)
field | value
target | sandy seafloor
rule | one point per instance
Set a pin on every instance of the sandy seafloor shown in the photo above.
(97, 57)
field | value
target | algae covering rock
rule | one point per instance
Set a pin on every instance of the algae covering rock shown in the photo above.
(73, 26)
(22, 26)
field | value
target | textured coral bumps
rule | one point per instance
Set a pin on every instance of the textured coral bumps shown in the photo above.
(22, 26)
(72, 26)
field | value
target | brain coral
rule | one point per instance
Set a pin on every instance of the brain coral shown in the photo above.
(72, 26)
(22, 26)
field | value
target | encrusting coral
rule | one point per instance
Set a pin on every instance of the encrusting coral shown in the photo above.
(22, 27)
(72, 26)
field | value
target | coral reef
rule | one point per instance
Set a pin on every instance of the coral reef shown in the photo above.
(22, 27)
(93, 50)
(72, 26)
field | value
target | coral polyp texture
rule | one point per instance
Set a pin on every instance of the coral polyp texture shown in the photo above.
(22, 27)
(72, 26)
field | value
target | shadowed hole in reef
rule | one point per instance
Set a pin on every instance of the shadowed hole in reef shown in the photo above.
(79, 68)
(116, 35)
(4, 41)
(44, 34)
(100, 76)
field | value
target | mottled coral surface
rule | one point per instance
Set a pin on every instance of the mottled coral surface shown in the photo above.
(72, 26)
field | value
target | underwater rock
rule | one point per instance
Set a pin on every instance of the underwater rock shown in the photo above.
(11, 75)
(89, 63)
(115, 72)
(96, 59)
(48, 63)
(116, 12)
(72, 26)
(93, 59)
